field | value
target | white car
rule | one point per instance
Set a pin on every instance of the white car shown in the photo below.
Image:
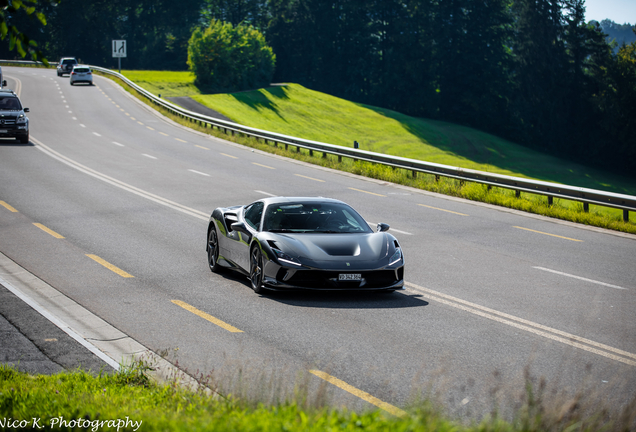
(81, 74)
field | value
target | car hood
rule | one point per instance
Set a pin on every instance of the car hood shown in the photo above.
(334, 247)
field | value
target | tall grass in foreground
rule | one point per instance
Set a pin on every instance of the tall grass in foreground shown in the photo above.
(129, 396)
(573, 211)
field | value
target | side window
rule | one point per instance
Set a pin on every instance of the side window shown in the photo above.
(253, 215)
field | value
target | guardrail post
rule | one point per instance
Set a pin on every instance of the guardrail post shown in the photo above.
(324, 155)
(311, 152)
(436, 178)
(550, 200)
(586, 207)
(414, 174)
(517, 194)
(625, 215)
(286, 146)
(297, 149)
(339, 158)
(489, 188)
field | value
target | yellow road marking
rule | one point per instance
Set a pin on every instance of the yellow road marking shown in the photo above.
(359, 393)
(544, 233)
(529, 326)
(109, 266)
(264, 166)
(140, 122)
(201, 147)
(372, 193)
(448, 211)
(230, 156)
(164, 134)
(127, 114)
(310, 178)
(181, 140)
(206, 316)
(149, 128)
(8, 207)
(132, 118)
(48, 230)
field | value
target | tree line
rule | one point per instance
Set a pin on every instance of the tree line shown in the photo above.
(533, 71)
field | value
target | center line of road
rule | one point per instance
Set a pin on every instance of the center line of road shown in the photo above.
(310, 178)
(580, 278)
(207, 317)
(96, 134)
(8, 207)
(359, 393)
(264, 166)
(367, 192)
(529, 326)
(181, 140)
(201, 147)
(548, 234)
(109, 266)
(199, 172)
(230, 156)
(149, 156)
(444, 210)
(48, 230)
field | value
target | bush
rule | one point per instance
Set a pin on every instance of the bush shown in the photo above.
(225, 58)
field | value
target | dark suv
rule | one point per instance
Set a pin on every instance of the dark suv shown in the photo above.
(65, 65)
(13, 120)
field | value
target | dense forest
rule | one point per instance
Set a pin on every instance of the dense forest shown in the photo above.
(533, 71)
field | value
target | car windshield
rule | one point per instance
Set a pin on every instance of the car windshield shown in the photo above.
(314, 218)
(10, 104)
(81, 70)
(69, 61)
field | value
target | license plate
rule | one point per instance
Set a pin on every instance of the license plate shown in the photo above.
(3, 131)
(349, 276)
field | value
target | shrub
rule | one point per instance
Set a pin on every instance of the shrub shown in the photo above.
(225, 58)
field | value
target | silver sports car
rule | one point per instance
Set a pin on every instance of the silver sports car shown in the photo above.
(287, 243)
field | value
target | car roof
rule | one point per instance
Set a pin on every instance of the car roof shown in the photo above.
(7, 92)
(308, 200)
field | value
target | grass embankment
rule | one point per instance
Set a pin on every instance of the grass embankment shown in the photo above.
(297, 111)
(128, 400)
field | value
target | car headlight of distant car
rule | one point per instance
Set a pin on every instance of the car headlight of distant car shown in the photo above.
(286, 258)
(22, 119)
(397, 256)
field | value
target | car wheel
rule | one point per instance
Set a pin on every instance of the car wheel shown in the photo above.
(213, 251)
(24, 139)
(71, 82)
(256, 270)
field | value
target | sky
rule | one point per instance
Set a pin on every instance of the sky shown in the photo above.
(619, 11)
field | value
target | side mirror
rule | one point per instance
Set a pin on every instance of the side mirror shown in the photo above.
(240, 227)
(382, 227)
(26, 110)
(4, 83)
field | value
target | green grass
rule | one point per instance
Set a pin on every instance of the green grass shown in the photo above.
(297, 111)
(164, 83)
(130, 400)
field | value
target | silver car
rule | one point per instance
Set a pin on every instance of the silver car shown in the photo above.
(81, 74)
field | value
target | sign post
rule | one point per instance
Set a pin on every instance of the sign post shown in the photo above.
(119, 50)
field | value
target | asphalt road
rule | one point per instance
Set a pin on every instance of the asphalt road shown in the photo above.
(122, 196)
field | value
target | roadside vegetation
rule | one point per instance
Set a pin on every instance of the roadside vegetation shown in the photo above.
(294, 110)
(130, 400)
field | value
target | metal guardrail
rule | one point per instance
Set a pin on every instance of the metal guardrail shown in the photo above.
(626, 203)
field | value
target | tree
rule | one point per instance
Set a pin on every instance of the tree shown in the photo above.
(12, 12)
(226, 58)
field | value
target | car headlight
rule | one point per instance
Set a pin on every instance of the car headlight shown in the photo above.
(21, 119)
(397, 256)
(286, 258)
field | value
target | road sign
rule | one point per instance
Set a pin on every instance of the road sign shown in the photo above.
(119, 48)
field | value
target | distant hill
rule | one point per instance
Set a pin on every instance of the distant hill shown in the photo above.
(621, 33)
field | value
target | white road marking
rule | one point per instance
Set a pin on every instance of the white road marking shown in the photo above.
(199, 172)
(265, 193)
(527, 325)
(580, 278)
(148, 156)
(82, 125)
(120, 145)
(96, 134)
